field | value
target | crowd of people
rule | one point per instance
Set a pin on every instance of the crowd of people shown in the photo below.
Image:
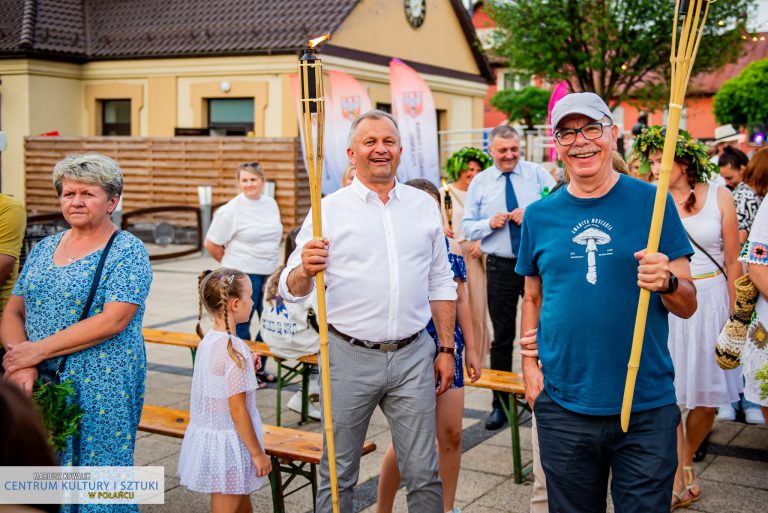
(422, 285)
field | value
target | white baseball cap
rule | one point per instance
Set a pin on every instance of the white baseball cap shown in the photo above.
(587, 104)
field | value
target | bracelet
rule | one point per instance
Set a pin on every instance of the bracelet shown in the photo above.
(444, 349)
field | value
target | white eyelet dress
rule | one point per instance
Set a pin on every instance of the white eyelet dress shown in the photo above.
(698, 379)
(213, 458)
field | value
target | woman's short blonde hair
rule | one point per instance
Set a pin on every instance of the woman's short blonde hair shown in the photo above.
(252, 167)
(91, 169)
(347, 172)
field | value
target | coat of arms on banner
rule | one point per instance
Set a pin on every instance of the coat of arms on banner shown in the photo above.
(412, 103)
(350, 107)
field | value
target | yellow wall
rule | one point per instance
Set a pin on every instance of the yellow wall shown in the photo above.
(161, 106)
(14, 115)
(36, 97)
(380, 26)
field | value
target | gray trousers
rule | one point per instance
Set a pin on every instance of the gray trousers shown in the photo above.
(403, 384)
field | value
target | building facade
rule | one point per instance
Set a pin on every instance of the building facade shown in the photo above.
(217, 67)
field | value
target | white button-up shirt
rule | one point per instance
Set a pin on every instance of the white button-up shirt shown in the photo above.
(487, 197)
(385, 261)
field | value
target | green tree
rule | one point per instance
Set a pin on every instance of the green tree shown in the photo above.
(618, 49)
(528, 105)
(741, 100)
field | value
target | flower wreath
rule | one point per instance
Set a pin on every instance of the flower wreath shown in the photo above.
(458, 161)
(651, 139)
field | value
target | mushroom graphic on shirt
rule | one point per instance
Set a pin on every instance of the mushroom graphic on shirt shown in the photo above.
(591, 238)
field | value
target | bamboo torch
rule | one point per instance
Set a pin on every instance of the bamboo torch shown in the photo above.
(313, 126)
(682, 57)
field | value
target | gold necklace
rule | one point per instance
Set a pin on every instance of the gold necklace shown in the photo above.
(69, 258)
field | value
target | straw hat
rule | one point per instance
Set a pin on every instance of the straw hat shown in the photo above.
(726, 133)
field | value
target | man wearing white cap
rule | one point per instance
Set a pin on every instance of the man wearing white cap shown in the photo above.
(725, 135)
(582, 254)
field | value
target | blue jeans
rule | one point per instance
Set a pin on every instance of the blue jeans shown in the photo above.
(243, 329)
(578, 452)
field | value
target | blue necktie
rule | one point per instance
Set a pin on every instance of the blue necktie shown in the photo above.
(514, 229)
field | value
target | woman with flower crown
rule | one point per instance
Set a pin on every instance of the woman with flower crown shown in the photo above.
(709, 217)
(461, 168)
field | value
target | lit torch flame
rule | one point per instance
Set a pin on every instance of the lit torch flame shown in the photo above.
(314, 42)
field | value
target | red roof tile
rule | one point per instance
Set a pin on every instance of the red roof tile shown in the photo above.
(709, 83)
(152, 28)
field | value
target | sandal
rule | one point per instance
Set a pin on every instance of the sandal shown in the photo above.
(683, 499)
(266, 377)
(261, 384)
(692, 483)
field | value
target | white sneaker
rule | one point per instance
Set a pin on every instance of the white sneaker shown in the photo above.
(294, 404)
(314, 388)
(754, 416)
(726, 412)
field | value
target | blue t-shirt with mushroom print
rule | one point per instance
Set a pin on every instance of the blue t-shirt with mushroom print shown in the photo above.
(583, 250)
(109, 377)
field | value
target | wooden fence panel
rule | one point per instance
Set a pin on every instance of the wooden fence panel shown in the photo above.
(167, 170)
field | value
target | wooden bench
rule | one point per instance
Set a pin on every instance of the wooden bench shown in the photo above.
(290, 450)
(289, 372)
(512, 384)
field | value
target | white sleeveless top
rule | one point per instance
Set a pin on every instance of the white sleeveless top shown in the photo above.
(706, 228)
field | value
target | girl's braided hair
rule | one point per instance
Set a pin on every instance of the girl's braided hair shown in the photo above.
(216, 288)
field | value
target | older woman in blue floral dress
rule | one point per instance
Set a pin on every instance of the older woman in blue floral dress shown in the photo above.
(104, 352)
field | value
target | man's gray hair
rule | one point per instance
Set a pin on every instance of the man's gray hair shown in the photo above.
(91, 169)
(503, 131)
(371, 114)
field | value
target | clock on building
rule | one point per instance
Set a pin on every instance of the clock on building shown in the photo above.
(415, 10)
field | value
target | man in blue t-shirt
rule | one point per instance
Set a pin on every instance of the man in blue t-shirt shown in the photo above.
(582, 254)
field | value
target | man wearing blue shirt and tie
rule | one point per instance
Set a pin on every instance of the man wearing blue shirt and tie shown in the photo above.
(494, 208)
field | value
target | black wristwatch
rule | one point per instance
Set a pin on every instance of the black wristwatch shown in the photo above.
(672, 284)
(444, 349)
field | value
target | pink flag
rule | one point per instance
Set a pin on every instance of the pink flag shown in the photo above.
(558, 92)
(414, 108)
(347, 100)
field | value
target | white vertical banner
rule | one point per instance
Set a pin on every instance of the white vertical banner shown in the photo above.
(347, 100)
(414, 108)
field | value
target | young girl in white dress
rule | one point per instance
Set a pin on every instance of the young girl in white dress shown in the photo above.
(223, 448)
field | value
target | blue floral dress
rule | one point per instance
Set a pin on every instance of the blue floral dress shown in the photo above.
(108, 377)
(459, 269)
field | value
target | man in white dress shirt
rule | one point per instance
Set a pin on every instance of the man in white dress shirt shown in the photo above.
(387, 272)
(493, 212)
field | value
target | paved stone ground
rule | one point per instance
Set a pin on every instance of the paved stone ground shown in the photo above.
(734, 475)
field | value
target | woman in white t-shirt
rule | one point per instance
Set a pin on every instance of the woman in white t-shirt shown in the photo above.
(245, 234)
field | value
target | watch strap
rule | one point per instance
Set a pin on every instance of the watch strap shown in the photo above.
(444, 349)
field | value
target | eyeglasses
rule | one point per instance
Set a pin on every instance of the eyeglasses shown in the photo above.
(255, 165)
(590, 132)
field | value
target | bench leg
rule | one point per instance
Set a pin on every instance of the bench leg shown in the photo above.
(276, 483)
(514, 429)
(313, 480)
(304, 394)
(279, 390)
(194, 353)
